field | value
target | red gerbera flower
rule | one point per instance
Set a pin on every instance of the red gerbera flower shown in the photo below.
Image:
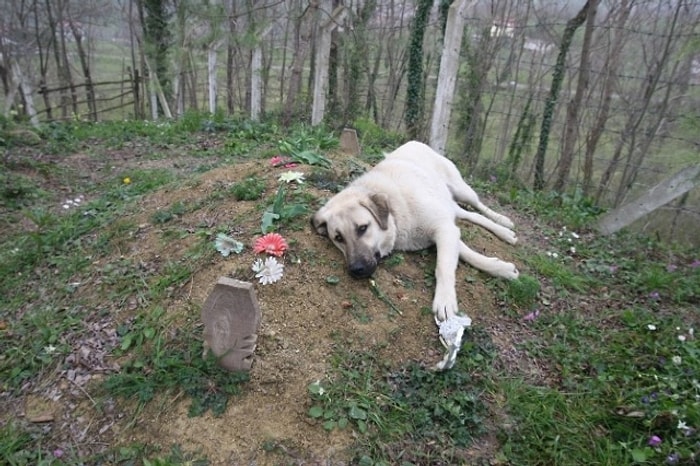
(271, 243)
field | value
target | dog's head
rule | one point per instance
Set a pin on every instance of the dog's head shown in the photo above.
(360, 224)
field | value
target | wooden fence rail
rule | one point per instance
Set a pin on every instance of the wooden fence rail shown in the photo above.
(84, 99)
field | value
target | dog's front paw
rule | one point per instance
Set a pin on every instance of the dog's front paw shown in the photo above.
(510, 237)
(509, 271)
(444, 308)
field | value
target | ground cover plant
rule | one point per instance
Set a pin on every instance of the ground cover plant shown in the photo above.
(113, 234)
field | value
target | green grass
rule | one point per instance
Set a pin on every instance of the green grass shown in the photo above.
(621, 378)
(410, 413)
(162, 365)
(606, 361)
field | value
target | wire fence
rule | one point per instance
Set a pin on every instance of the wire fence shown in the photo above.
(503, 75)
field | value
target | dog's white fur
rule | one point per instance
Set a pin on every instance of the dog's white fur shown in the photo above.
(408, 202)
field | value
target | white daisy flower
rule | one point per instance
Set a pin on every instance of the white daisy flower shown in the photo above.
(290, 176)
(269, 271)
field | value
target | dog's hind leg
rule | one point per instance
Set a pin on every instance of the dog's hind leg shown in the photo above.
(491, 265)
(505, 234)
(464, 194)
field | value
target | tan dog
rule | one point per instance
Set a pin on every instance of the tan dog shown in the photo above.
(409, 201)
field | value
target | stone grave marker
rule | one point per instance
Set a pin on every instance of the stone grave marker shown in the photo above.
(231, 319)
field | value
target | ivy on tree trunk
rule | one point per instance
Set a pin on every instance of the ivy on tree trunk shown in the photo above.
(156, 31)
(414, 91)
(557, 78)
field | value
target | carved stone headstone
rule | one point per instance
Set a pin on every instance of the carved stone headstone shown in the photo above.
(231, 319)
(349, 142)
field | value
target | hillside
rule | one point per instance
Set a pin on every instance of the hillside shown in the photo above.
(102, 338)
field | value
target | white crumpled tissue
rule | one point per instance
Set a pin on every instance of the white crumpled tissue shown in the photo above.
(451, 331)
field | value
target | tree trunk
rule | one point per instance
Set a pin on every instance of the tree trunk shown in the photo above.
(557, 78)
(414, 91)
(572, 111)
(301, 49)
(635, 119)
(447, 77)
(323, 50)
(610, 70)
(85, 65)
(211, 74)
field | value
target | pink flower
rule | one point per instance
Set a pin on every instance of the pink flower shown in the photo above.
(271, 243)
(280, 160)
(654, 441)
(531, 316)
(277, 160)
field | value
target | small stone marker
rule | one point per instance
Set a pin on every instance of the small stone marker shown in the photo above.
(349, 142)
(231, 319)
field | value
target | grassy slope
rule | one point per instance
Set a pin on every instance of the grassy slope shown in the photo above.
(604, 360)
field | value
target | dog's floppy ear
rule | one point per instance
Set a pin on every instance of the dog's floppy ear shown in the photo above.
(319, 224)
(378, 206)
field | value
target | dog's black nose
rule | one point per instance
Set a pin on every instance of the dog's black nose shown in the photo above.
(360, 270)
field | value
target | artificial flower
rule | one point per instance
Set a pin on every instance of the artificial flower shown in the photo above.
(226, 245)
(279, 160)
(290, 176)
(269, 271)
(271, 243)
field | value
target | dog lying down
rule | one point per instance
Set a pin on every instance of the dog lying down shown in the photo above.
(407, 202)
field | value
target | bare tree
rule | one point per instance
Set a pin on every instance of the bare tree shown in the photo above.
(572, 111)
(657, 62)
(609, 73)
(557, 78)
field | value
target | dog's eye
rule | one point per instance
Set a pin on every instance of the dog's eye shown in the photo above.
(361, 229)
(339, 238)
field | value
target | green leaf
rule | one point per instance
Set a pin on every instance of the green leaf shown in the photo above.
(293, 210)
(311, 158)
(357, 413)
(639, 456)
(126, 342)
(329, 425)
(362, 427)
(279, 201)
(332, 280)
(315, 412)
(149, 332)
(315, 388)
(268, 219)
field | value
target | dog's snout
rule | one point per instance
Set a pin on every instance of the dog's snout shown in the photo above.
(360, 270)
